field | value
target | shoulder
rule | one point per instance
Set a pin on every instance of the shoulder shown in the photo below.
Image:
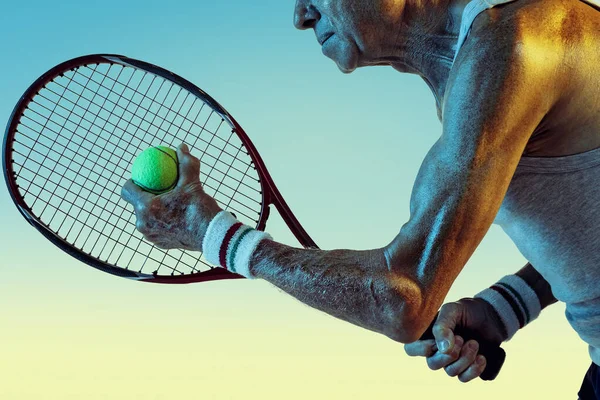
(533, 28)
(510, 47)
(515, 27)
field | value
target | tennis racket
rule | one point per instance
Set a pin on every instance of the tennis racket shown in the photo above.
(70, 144)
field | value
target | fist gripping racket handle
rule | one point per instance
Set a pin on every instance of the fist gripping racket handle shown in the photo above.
(493, 353)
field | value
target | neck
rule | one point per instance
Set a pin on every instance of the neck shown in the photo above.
(426, 40)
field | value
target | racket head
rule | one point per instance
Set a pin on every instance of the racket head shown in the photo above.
(48, 135)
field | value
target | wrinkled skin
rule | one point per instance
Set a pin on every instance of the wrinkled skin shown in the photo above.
(178, 218)
(412, 37)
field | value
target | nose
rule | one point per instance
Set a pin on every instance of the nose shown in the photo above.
(305, 15)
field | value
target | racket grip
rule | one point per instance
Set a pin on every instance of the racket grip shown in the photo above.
(493, 353)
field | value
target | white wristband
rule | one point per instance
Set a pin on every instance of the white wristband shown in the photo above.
(514, 300)
(230, 244)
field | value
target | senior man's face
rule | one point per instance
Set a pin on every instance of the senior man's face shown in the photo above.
(352, 33)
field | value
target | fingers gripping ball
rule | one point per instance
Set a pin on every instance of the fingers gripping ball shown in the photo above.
(155, 170)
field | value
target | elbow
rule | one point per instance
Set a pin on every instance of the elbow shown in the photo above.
(404, 329)
(406, 316)
(403, 336)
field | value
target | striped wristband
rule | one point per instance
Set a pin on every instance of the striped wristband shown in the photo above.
(515, 301)
(230, 244)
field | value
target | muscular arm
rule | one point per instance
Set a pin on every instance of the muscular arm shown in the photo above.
(356, 286)
(495, 99)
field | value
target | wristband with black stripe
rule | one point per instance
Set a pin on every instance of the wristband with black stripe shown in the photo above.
(515, 301)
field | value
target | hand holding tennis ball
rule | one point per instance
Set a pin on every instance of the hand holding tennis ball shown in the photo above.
(155, 169)
(172, 210)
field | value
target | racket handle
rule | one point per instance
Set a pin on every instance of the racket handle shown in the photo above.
(493, 353)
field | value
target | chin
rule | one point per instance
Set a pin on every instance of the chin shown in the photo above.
(346, 64)
(345, 69)
(344, 56)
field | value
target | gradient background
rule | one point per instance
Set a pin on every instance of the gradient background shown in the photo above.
(71, 332)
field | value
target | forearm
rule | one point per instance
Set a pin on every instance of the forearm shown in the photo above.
(356, 286)
(541, 287)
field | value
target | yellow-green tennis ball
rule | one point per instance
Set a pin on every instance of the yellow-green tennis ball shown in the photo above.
(155, 169)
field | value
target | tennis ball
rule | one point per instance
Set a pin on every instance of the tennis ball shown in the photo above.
(155, 169)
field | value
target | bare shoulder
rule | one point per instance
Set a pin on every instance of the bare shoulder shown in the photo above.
(553, 43)
(546, 34)
(505, 55)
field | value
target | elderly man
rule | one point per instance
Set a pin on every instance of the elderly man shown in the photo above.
(517, 89)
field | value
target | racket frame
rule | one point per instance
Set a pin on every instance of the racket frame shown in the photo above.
(269, 191)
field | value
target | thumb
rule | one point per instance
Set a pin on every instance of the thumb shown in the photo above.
(443, 328)
(133, 194)
(189, 166)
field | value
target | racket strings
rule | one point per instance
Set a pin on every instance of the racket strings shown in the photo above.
(103, 209)
(68, 212)
(155, 126)
(221, 147)
(238, 149)
(58, 185)
(94, 164)
(116, 188)
(53, 142)
(120, 226)
(76, 142)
